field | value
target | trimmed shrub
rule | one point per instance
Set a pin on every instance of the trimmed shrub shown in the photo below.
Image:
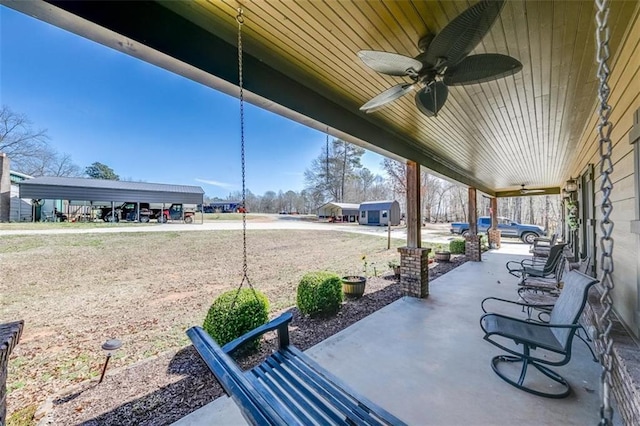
(457, 246)
(225, 323)
(484, 242)
(319, 294)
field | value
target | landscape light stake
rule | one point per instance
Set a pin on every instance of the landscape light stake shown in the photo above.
(110, 347)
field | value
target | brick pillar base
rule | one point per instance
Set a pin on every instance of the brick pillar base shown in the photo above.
(414, 271)
(494, 238)
(472, 248)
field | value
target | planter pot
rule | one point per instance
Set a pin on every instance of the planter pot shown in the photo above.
(442, 256)
(353, 285)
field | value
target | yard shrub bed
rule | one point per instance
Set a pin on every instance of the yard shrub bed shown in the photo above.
(457, 246)
(319, 294)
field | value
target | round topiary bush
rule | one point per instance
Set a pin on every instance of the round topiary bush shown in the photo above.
(457, 246)
(225, 323)
(319, 294)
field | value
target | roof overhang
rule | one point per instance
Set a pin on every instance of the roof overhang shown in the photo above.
(302, 63)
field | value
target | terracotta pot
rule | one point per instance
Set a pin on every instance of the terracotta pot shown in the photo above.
(353, 286)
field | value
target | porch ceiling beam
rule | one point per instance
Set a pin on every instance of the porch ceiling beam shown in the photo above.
(156, 34)
(517, 193)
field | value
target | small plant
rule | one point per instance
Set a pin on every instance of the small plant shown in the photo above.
(393, 263)
(364, 264)
(226, 321)
(319, 294)
(457, 246)
(572, 215)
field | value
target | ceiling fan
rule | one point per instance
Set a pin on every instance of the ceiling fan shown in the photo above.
(525, 191)
(444, 61)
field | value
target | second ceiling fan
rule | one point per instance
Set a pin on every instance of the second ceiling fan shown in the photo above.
(444, 61)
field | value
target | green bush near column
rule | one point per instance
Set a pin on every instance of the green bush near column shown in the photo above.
(457, 246)
(319, 294)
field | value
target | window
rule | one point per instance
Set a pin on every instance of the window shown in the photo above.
(384, 213)
(363, 214)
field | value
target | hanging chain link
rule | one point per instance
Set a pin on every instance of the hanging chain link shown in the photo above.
(245, 267)
(606, 224)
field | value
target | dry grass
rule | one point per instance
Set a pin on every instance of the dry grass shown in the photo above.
(76, 290)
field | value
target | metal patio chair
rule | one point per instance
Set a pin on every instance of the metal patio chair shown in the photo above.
(542, 246)
(530, 267)
(556, 336)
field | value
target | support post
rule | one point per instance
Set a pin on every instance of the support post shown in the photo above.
(414, 260)
(472, 243)
(494, 232)
(414, 222)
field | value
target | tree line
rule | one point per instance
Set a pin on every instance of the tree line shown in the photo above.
(335, 175)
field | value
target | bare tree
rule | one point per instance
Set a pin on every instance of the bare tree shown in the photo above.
(331, 173)
(19, 140)
(50, 163)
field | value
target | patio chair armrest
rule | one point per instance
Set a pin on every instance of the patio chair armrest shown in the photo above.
(281, 324)
(529, 322)
(512, 302)
(530, 263)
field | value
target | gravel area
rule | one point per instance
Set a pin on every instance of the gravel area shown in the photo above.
(161, 390)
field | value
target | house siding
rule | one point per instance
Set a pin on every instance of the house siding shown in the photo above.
(625, 100)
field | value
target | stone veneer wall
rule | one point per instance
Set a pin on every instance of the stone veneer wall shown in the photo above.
(472, 248)
(414, 271)
(626, 362)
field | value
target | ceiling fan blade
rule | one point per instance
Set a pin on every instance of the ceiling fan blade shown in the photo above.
(463, 34)
(531, 191)
(432, 98)
(387, 96)
(481, 68)
(390, 63)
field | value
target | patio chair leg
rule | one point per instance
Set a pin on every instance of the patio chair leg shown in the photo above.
(586, 341)
(525, 360)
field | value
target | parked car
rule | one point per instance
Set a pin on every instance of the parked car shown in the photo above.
(508, 228)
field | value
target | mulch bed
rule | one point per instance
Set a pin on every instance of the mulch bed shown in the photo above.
(163, 389)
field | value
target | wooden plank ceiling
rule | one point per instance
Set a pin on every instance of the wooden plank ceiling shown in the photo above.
(521, 129)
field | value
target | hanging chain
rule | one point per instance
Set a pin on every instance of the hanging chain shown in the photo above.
(245, 268)
(240, 20)
(606, 224)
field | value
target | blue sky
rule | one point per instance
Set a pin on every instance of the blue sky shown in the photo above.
(98, 104)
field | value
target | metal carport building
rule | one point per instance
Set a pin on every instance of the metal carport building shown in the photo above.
(108, 191)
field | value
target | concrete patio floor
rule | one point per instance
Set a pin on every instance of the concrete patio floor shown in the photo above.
(425, 360)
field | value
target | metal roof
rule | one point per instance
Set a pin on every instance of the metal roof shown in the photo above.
(65, 188)
(377, 205)
(341, 205)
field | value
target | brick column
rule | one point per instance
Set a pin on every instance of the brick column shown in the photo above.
(494, 238)
(9, 336)
(414, 271)
(494, 234)
(472, 248)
